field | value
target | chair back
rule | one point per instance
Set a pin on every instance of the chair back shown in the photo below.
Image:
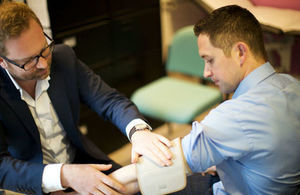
(183, 54)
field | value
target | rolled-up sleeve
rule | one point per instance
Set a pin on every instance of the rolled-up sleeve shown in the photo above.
(218, 137)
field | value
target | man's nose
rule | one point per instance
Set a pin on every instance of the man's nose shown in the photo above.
(207, 72)
(42, 63)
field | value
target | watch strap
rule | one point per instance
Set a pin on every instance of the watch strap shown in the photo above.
(134, 129)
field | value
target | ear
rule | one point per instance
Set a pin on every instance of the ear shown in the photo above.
(3, 63)
(240, 52)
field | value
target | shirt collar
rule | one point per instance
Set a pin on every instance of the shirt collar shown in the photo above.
(13, 80)
(256, 76)
(42, 84)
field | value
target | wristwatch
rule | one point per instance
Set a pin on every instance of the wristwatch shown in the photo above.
(138, 127)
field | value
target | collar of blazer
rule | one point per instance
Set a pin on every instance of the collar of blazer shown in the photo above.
(10, 96)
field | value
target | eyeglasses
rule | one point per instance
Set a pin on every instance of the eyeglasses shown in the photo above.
(29, 64)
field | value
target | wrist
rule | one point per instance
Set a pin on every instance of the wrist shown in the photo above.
(64, 175)
(139, 127)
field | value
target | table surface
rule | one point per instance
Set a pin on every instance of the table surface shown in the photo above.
(273, 19)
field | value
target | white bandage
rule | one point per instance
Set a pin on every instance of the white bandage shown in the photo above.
(156, 180)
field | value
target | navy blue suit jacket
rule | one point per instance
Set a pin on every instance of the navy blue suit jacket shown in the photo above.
(71, 83)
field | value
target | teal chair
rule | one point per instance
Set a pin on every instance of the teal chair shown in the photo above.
(176, 100)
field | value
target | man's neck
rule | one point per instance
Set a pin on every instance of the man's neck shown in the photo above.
(28, 86)
(251, 64)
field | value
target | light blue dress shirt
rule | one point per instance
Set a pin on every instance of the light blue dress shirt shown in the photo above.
(254, 138)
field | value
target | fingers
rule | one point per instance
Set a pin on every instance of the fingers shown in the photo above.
(164, 148)
(157, 157)
(164, 140)
(102, 167)
(160, 149)
(103, 189)
(112, 184)
(163, 153)
(73, 193)
(88, 179)
(154, 153)
(64, 193)
(134, 157)
(107, 184)
(97, 192)
(154, 146)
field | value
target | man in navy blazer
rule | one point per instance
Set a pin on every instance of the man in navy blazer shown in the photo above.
(41, 88)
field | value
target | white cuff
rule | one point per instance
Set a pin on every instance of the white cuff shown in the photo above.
(51, 178)
(133, 123)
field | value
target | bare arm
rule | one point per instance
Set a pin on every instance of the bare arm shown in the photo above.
(127, 176)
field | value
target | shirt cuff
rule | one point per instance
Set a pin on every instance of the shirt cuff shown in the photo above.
(134, 122)
(51, 178)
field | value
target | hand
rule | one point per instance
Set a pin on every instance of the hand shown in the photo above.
(88, 179)
(211, 170)
(64, 193)
(152, 145)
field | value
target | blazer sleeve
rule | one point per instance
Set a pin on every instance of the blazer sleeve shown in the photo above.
(99, 96)
(17, 175)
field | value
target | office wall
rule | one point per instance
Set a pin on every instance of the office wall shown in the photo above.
(175, 14)
(282, 49)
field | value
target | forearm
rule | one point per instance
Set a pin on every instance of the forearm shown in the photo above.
(127, 176)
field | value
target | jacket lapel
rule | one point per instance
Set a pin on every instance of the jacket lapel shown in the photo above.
(12, 97)
(58, 94)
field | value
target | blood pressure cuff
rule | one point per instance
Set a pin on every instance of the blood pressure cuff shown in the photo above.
(154, 179)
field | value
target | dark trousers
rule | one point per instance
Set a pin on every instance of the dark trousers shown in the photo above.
(198, 185)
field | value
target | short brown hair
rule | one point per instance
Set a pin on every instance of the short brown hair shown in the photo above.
(14, 19)
(230, 24)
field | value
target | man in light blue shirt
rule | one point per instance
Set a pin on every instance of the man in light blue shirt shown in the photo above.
(254, 138)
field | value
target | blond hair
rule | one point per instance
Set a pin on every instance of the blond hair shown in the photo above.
(14, 19)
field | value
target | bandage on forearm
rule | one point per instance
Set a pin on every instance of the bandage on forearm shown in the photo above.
(155, 180)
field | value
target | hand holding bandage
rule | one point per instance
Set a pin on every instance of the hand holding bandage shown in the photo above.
(152, 179)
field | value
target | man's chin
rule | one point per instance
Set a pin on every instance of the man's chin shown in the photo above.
(226, 90)
(43, 74)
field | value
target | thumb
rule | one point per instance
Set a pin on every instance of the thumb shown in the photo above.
(102, 167)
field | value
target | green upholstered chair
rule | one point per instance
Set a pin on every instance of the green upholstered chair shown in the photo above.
(176, 100)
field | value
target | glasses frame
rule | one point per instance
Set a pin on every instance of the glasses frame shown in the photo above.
(50, 45)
